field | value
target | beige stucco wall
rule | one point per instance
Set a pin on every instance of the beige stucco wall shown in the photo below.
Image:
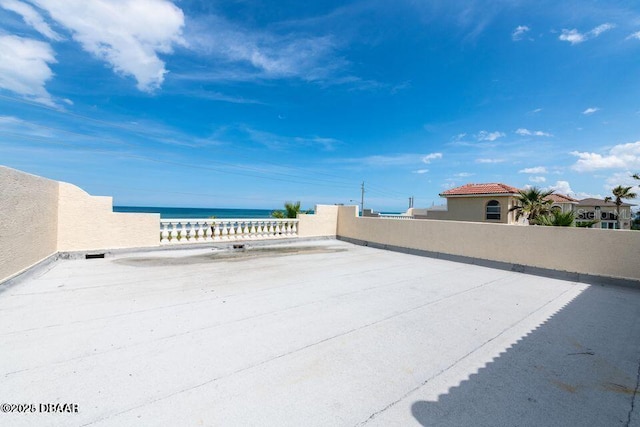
(474, 209)
(610, 253)
(87, 222)
(28, 220)
(323, 223)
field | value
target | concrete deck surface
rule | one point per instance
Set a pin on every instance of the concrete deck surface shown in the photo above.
(320, 333)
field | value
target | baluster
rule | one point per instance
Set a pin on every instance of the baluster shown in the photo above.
(245, 230)
(216, 231)
(294, 228)
(207, 231)
(164, 233)
(198, 231)
(232, 230)
(174, 232)
(225, 231)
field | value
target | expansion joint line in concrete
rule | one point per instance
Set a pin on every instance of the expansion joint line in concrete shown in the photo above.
(634, 397)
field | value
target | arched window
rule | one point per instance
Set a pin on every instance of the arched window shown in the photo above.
(493, 210)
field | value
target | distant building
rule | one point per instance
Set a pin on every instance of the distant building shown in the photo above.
(492, 203)
(562, 202)
(597, 209)
(476, 203)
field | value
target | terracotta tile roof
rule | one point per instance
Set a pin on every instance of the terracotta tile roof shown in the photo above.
(490, 188)
(560, 198)
(600, 202)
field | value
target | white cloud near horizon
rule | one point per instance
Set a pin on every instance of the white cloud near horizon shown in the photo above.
(537, 179)
(127, 34)
(483, 135)
(519, 32)
(575, 37)
(31, 17)
(536, 170)
(590, 111)
(24, 67)
(622, 156)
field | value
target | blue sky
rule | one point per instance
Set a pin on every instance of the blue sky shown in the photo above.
(250, 103)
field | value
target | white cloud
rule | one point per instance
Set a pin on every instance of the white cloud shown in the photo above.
(527, 132)
(519, 32)
(30, 17)
(24, 67)
(483, 135)
(463, 175)
(621, 178)
(622, 156)
(421, 171)
(490, 161)
(536, 170)
(590, 111)
(634, 36)
(537, 110)
(575, 37)
(433, 156)
(127, 34)
(537, 179)
(601, 29)
(561, 187)
(572, 36)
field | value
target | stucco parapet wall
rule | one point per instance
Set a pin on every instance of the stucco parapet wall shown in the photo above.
(88, 222)
(324, 222)
(588, 252)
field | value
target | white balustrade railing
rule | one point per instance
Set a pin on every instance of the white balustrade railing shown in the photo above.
(181, 231)
(395, 216)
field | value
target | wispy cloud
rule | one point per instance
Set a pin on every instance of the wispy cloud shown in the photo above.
(421, 171)
(519, 33)
(535, 170)
(283, 142)
(622, 156)
(24, 67)
(31, 17)
(590, 111)
(429, 157)
(634, 36)
(483, 135)
(537, 179)
(527, 132)
(575, 37)
(391, 160)
(489, 161)
(249, 54)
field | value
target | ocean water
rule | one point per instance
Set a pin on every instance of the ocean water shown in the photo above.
(172, 213)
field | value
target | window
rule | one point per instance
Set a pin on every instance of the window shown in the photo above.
(493, 210)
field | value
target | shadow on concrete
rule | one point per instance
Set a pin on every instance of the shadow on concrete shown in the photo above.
(579, 368)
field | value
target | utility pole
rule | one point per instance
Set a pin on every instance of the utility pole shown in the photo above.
(362, 200)
(410, 202)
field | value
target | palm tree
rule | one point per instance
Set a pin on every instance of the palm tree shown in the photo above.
(291, 210)
(532, 204)
(620, 193)
(558, 219)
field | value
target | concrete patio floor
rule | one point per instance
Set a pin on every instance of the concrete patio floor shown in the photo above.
(315, 333)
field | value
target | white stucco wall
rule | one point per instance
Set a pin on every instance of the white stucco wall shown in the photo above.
(88, 222)
(28, 220)
(323, 223)
(610, 253)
